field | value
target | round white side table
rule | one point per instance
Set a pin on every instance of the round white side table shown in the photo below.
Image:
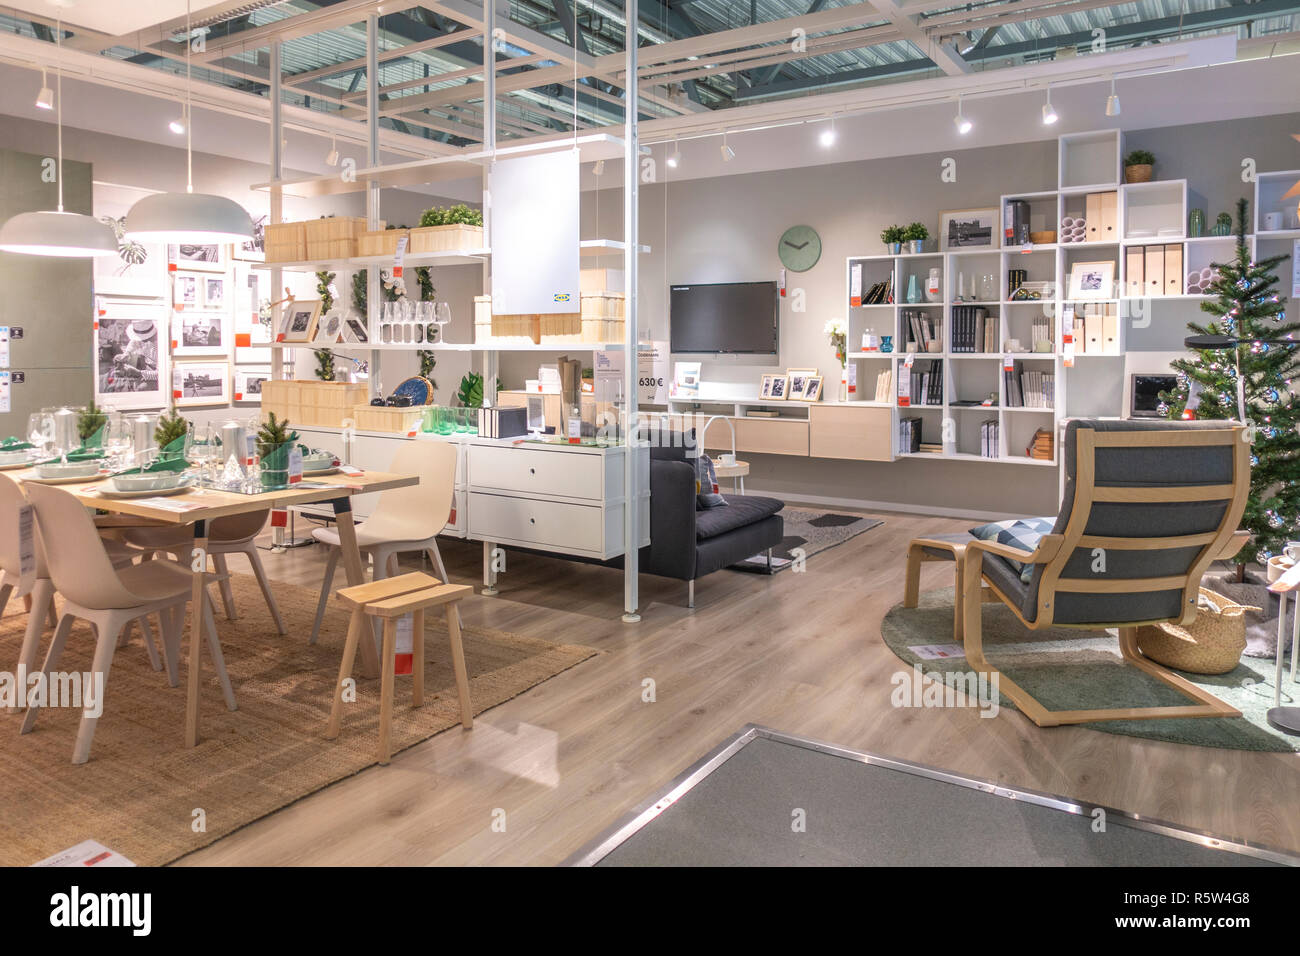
(736, 473)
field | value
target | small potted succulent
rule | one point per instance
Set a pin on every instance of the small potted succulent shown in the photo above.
(1138, 165)
(916, 234)
(1222, 225)
(274, 444)
(892, 237)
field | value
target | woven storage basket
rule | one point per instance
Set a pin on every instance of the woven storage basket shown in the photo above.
(1211, 644)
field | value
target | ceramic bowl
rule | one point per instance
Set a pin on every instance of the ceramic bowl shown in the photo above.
(72, 469)
(14, 457)
(317, 462)
(162, 481)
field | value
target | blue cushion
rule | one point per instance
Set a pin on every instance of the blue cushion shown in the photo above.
(1022, 533)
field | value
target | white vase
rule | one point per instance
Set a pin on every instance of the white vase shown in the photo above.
(932, 290)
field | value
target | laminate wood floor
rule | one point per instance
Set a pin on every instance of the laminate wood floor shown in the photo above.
(800, 653)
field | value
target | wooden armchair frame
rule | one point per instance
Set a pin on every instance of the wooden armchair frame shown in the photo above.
(1054, 552)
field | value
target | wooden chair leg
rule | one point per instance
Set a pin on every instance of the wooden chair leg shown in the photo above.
(260, 573)
(330, 565)
(104, 648)
(172, 621)
(417, 658)
(458, 665)
(912, 581)
(218, 659)
(51, 661)
(356, 626)
(227, 592)
(387, 665)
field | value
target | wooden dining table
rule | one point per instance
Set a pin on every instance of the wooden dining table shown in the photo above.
(201, 506)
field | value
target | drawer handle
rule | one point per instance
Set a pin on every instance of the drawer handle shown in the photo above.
(532, 471)
(532, 521)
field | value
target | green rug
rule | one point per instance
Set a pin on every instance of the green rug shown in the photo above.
(1068, 669)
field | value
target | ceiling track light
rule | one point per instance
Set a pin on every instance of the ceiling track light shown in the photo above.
(69, 235)
(188, 217)
(960, 121)
(827, 137)
(728, 154)
(45, 98)
(332, 157)
(1049, 112)
(675, 157)
(179, 125)
(1112, 101)
(599, 168)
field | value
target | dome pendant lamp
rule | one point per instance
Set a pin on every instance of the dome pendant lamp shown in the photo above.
(188, 217)
(66, 234)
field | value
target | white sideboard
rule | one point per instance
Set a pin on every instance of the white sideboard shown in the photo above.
(565, 499)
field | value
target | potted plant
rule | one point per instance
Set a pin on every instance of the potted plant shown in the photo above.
(916, 234)
(90, 423)
(892, 237)
(169, 434)
(274, 444)
(1138, 165)
(448, 228)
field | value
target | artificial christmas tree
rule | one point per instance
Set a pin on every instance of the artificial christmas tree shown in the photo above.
(1250, 320)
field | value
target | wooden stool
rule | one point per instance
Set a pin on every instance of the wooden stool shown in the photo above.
(388, 600)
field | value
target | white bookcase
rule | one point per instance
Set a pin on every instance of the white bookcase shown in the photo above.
(1147, 216)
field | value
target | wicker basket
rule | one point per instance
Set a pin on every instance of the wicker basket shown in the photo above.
(453, 238)
(285, 242)
(382, 242)
(1211, 644)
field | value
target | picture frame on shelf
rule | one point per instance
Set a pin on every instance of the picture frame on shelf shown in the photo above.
(775, 387)
(798, 377)
(248, 383)
(812, 389)
(187, 292)
(254, 250)
(204, 257)
(200, 382)
(130, 358)
(199, 333)
(354, 331)
(214, 292)
(329, 329)
(298, 321)
(1092, 280)
(962, 229)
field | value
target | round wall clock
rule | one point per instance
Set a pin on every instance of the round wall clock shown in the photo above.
(799, 247)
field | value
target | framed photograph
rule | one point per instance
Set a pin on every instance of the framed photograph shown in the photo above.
(200, 383)
(248, 383)
(255, 249)
(355, 331)
(778, 389)
(798, 381)
(199, 333)
(130, 353)
(186, 291)
(1092, 280)
(968, 229)
(207, 258)
(812, 389)
(214, 292)
(298, 321)
(329, 329)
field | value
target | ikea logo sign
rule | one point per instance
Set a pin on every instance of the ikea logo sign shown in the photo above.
(562, 297)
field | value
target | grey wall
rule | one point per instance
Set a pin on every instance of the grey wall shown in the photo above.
(726, 229)
(48, 298)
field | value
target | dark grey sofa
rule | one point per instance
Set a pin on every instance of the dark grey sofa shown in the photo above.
(686, 543)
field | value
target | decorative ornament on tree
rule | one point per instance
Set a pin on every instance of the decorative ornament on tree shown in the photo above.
(1249, 329)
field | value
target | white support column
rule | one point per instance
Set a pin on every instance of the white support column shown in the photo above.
(631, 474)
(488, 363)
(374, 296)
(276, 274)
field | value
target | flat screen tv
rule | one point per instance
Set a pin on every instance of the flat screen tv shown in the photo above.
(724, 317)
(1145, 394)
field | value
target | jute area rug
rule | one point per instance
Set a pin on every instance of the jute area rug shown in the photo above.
(141, 789)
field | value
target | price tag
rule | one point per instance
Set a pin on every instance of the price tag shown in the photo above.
(904, 389)
(575, 431)
(907, 362)
(855, 284)
(404, 646)
(295, 465)
(26, 549)
(399, 258)
(279, 517)
(851, 371)
(351, 470)
(1069, 351)
(1008, 363)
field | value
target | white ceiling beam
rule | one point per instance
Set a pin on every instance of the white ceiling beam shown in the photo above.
(943, 55)
(397, 53)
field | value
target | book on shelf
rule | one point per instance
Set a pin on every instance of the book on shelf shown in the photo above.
(882, 293)
(1041, 332)
(1029, 388)
(885, 385)
(931, 448)
(1041, 445)
(502, 422)
(990, 439)
(926, 382)
(974, 330)
(909, 435)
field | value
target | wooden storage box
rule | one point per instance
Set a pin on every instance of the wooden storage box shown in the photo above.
(334, 237)
(286, 242)
(445, 238)
(382, 242)
(600, 280)
(381, 418)
(305, 402)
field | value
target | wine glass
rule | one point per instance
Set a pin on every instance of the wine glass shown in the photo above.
(443, 313)
(40, 432)
(199, 448)
(119, 438)
(386, 323)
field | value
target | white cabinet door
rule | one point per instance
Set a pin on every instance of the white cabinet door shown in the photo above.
(536, 471)
(547, 525)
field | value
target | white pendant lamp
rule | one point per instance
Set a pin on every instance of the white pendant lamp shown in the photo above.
(66, 234)
(188, 217)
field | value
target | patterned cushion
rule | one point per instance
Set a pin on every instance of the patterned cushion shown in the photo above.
(706, 484)
(1022, 533)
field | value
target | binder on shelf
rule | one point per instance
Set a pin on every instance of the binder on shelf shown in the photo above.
(1173, 269)
(1135, 272)
(501, 422)
(1093, 332)
(1110, 331)
(1015, 222)
(1155, 270)
(1109, 217)
(1092, 215)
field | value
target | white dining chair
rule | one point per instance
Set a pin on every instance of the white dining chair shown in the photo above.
(232, 534)
(108, 598)
(42, 607)
(404, 520)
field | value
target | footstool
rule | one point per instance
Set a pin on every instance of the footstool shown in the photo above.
(939, 547)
